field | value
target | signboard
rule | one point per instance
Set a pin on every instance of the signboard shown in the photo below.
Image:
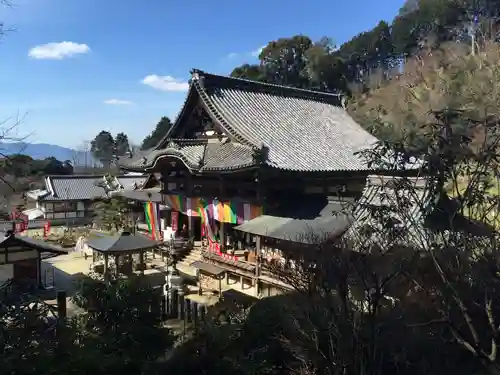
(175, 221)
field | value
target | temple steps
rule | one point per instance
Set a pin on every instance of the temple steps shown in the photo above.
(184, 264)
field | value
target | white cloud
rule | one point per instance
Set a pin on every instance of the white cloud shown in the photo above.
(232, 55)
(165, 83)
(118, 102)
(58, 51)
(257, 52)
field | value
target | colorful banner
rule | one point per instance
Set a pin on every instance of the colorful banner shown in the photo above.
(233, 212)
(176, 202)
(151, 218)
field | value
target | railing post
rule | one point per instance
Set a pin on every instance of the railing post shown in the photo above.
(61, 306)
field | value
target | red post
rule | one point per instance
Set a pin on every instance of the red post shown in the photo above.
(46, 229)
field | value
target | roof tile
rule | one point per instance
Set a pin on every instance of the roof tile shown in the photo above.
(301, 130)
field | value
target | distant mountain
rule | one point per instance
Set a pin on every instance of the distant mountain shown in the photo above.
(43, 150)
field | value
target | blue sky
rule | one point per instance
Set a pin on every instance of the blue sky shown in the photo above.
(126, 62)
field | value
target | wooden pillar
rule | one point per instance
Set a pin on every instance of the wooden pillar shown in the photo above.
(222, 241)
(117, 264)
(61, 306)
(141, 262)
(106, 266)
(258, 256)
(189, 192)
(39, 269)
(222, 236)
(164, 306)
(220, 284)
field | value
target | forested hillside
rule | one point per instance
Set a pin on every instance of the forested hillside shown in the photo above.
(397, 72)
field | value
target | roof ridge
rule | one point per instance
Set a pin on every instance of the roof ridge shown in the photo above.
(311, 94)
(188, 141)
(215, 112)
(74, 176)
(70, 176)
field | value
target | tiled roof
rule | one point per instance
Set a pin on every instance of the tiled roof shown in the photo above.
(315, 220)
(395, 205)
(14, 239)
(73, 187)
(143, 195)
(295, 230)
(301, 130)
(122, 242)
(199, 155)
(129, 182)
(82, 187)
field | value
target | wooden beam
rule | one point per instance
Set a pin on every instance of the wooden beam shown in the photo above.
(222, 239)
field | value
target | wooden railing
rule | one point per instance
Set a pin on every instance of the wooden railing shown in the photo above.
(39, 223)
(240, 266)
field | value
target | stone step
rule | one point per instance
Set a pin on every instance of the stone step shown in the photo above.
(193, 256)
(186, 269)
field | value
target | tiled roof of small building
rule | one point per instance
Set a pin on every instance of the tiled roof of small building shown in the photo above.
(300, 130)
(82, 187)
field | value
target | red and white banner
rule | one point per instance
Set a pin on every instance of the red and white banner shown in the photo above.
(21, 221)
(46, 229)
(175, 221)
(214, 247)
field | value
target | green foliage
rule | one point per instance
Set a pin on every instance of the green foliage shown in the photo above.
(102, 148)
(375, 54)
(107, 148)
(158, 134)
(121, 144)
(247, 71)
(112, 214)
(123, 324)
(412, 300)
(120, 333)
(20, 165)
